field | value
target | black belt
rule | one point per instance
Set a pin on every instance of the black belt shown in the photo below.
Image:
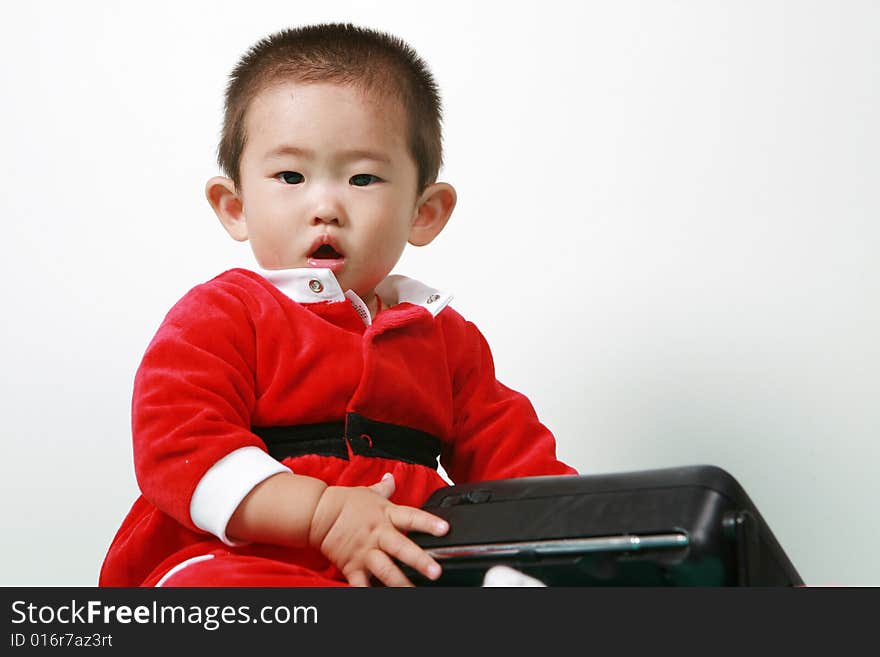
(364, 436)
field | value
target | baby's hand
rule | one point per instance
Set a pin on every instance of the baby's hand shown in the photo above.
(360, 531)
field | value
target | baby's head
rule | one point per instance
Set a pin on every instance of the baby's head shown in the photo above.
(331, 147)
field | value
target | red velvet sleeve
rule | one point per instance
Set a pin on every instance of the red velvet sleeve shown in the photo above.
(497, 434)
(193, 395)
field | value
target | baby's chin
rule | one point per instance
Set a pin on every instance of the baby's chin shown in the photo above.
(352, 277)
(365, 289)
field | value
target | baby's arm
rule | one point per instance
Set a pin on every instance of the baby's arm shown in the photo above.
(357, 528)
(497, 433)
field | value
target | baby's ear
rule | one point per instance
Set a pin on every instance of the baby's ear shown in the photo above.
(226, 203)
(433, 210)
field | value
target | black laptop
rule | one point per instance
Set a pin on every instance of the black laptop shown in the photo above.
(684, 526)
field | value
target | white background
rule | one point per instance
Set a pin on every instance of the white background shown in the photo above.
(667, 229)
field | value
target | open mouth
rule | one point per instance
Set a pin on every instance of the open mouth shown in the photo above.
(325, 255)
(325, 252)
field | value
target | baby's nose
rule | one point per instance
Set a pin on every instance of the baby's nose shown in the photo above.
(326, 208)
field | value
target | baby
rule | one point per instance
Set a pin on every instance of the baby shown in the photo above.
(287, 424)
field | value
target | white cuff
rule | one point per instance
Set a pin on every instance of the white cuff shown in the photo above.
(226, 484)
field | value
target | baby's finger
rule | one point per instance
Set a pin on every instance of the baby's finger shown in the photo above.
(385, 486)
(406, 551)
(357, 578)
(381, 565)
(408, 518)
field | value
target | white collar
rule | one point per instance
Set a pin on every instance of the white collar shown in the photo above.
(308, 285)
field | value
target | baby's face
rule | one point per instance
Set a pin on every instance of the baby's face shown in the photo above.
(327, 180)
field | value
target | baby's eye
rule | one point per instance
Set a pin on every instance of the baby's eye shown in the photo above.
(363, 179)
(291, 177)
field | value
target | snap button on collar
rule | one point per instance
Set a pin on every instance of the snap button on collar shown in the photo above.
(316, 286)
(433, 298)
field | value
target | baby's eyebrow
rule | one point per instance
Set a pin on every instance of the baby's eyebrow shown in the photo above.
(286, 149)
(364, 154)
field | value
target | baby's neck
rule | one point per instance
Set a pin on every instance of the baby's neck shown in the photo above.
(374, 304)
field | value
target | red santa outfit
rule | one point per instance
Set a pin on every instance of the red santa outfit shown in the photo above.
(248, 377)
